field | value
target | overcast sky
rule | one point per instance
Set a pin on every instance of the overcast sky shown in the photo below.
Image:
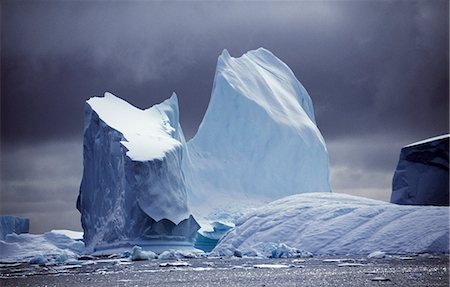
(377, 72)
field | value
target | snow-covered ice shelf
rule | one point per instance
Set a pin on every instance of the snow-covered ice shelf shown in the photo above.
(338, 224)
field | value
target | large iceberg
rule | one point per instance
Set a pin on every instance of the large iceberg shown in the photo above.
(13, 224)
(258, 140)
(422, 174)
(337, 224)
(133, 187)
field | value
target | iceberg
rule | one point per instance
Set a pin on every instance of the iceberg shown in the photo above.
(206, 239)
(338, 224)
(137, 254)
(257, 142)
(13, 224)
(133, 188)
(422, 174)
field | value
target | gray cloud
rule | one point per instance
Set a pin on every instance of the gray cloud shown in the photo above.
(377, 72)
(41, 182)
(364, 166)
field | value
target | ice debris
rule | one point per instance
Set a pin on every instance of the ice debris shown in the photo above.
(138, 254)
(377, 255)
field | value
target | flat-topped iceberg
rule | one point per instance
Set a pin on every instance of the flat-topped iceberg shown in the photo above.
(133, 187)
(13, 224)
(421, 177)
(258, 140)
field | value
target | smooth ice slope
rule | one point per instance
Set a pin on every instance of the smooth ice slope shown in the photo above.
(133, 187)
(13, 224)
(330, 223)
(258, 140)
(421, 177)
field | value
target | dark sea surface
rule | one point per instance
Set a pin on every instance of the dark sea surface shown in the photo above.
(424, 270)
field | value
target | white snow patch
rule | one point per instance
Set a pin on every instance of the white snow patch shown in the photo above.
(76, 235)
(177, 254)
(271, 266)
(429, 140)
(148, 133)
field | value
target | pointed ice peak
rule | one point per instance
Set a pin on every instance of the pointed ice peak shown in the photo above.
(170, 108)
(174, 97)
(258, 139)
(172, 101)
(260, 52)
(264, 79)
(225, 54)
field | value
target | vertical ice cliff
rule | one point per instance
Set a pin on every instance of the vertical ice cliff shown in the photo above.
(421, 177)
(258, 140)
(13, 224)
(133, 187)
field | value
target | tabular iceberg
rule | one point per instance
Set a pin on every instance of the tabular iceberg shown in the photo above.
(133, 186)
(258, 140)
(13, 224)
(422, 174)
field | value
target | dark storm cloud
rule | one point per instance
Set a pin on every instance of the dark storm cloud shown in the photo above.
(366, 61)
(377, 72)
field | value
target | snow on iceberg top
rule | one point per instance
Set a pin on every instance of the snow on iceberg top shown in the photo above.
(271, 84)
(149, 133)
(429, 140)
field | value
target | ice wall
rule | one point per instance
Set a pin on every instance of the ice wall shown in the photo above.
(133, 186)
(338, 224)
(422, 174)
(13, 224)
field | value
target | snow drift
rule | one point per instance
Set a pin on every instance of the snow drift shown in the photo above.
(258, 140)
(330, 223)
(421, 177)
(133, 187)
(23, 247)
